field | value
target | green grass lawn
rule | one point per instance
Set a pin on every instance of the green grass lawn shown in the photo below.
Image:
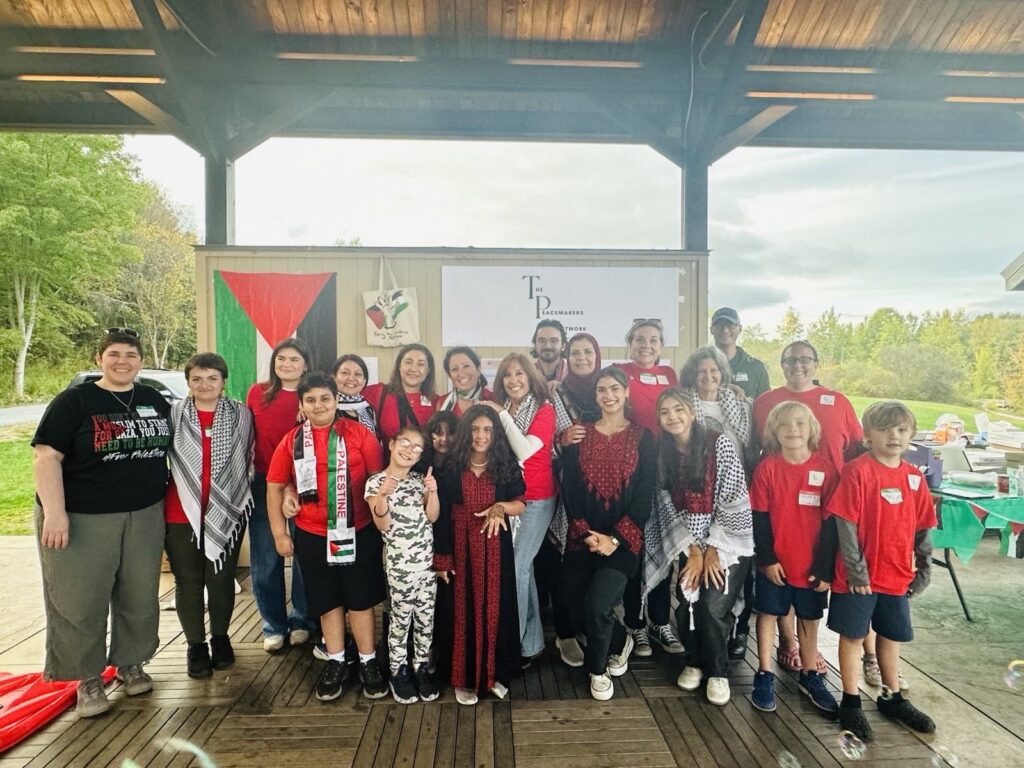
(927, 412)
(17, 490)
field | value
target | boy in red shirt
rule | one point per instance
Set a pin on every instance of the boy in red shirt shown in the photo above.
(883, 513)
(791, 487)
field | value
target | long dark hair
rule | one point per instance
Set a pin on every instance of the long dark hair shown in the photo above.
(395, 383)
(441, 418)
(274, 381)
(474, 358)
(669, 476)
(501, 462)
(537, 386)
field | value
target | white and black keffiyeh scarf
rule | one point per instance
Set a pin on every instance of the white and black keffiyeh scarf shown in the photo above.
(358, 408)
(341, 530)
(737, 413)
(452, 398)
(230, 501)
(524, 415)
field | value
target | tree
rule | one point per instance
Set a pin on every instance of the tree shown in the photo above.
(159, 288)
(830, 337)
(65, 203)
(790, 328)
(985, 379)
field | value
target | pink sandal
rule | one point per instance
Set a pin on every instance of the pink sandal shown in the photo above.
(790, 659)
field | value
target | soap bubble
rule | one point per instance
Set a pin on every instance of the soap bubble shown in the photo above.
(181, 745)
(944, 758)
(788, 760)
(852, 746)
(1015, 675)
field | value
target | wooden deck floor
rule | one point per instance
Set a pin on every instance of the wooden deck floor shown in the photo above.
(262, 713)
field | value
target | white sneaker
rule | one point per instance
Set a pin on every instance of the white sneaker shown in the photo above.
(601, 687)
(466, 697)
(718, 690)
(273, 643)
(904, 683)
(618, 665)
(500, 690)
(689, 679)
(298, 637)
(570, 651)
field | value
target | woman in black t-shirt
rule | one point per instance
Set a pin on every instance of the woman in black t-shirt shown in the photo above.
(101, 474)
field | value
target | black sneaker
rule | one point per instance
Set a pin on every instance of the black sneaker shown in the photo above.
(901, 710)
(372, 678)
(854, 720)
(402, 687)
(199, 665)
(222, 652)
(425, 684)
(331, 682)
(738, 647)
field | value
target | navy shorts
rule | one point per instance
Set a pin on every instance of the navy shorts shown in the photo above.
(357, 586)
(851, 615)
(774, 600)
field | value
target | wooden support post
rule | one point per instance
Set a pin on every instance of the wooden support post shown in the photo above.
(220, 200)
(695, 203)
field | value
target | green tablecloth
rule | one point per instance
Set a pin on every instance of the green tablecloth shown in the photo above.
(964, 522)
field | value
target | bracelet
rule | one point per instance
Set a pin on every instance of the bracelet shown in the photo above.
(386, 513)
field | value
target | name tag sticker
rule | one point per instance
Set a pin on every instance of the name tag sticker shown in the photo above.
(892, 495)
(816, 478)
(146, 411)
(424, 400)
(809, 499)
(663, 380)
(828, 400)
(915, 481)
(208, 432)
(649, 378)
(741, 376)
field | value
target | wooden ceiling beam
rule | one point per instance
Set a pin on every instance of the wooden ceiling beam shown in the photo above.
(909, 87)
(161, 119)
(274, 122)
(747, 130)
(641, 128)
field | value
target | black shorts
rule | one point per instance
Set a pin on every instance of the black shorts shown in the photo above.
(851, 615)
(774, 600)
(354, 587)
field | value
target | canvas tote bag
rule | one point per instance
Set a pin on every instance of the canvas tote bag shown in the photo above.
(392, 314)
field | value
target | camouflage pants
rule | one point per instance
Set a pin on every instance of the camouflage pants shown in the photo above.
(412, 609)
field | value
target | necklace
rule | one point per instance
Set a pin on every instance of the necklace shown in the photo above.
(131, 399)
(478, 466)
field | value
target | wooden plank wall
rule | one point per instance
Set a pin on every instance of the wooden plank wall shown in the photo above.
(357, 270)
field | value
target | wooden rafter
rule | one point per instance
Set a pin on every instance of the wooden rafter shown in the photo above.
(640, 127)
(160, 118)
(273, 123)
(747, 130)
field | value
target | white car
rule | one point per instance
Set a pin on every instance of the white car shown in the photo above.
(170, 384)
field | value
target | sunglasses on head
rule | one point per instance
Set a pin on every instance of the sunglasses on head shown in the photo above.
(655, 321)
(126, 331)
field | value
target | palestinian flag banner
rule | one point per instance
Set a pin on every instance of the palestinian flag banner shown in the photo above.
(256, 310)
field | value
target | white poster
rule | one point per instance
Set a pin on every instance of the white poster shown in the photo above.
(501, 306)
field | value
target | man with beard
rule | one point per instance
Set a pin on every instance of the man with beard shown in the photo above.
(549, 342)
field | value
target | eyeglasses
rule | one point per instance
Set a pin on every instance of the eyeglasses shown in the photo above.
(126, 331)
(803, 360)
(409, 445)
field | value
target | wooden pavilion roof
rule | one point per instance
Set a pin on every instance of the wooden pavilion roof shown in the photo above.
(694, 77)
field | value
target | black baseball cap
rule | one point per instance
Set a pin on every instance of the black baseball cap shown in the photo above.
(726, 313)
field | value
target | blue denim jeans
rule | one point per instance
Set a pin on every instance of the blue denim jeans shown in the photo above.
(267, 571)
(533, 527)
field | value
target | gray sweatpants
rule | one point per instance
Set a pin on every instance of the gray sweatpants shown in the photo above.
(110, 566)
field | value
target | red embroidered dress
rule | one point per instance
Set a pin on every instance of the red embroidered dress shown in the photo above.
(485, 646)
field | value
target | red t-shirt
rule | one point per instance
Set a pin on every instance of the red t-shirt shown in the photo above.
(840, 428)
(387, 417)
(364, 459)
(537, 471)
(173, 511)
(270, 421)
(889, 505)
(794, 496)
(645, 384)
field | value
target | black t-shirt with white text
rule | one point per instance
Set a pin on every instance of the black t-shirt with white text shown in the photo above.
(114, 446)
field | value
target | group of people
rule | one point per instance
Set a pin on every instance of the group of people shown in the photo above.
(617, 489)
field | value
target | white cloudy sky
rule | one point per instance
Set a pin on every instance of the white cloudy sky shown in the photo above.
(810, 228)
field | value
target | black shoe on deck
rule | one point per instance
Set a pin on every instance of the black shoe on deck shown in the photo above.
(738, 647)
(222, 652)
(901, 710)
(425, 684)
(331, 682)
(372, 677)
(402, 688)
(854, 720)
(198, 659)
